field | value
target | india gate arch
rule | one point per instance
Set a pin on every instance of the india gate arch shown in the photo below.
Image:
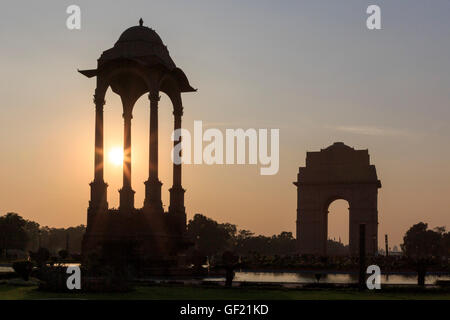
(336, 172)
(138, 63)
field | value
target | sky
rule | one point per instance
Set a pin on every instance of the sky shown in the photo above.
(309, 68)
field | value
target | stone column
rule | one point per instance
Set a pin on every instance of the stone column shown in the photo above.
(152, 202)
(153, 140)
(177, 191)
(98, 186)
(127, 193)
(127, 150)
(98, 170)
(312, 228)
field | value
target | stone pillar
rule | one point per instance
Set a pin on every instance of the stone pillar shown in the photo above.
(152, 202)
(127, 193)
(177, 191)
(98, 170)
(98, 200)
(311, 220)
(312, 231)
(153, 140)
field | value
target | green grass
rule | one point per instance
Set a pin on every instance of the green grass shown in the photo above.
(8, 292)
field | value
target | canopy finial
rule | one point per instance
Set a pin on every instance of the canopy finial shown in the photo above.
(141, 22)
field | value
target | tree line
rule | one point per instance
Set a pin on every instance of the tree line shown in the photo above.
(208, 237)
(19, 234)
(212, 238)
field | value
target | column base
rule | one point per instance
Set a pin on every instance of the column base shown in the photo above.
(126, 199)
(177, 200)
(152, 202)
(98, 200)
(177, 211)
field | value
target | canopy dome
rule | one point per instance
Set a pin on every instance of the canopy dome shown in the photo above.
(141, 44)
(143, 47)
(140, 33)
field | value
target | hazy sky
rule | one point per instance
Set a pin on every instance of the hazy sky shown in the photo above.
(310, 68)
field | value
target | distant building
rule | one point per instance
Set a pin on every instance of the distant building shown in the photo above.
(336, 172)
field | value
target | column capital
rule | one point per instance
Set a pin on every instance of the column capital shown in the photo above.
(178, 111)
(127, 114)
(154, 96)
(98, 100)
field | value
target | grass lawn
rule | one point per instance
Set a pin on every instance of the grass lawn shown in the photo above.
(9, 292)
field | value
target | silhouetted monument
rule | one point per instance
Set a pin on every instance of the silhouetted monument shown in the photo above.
(138, 63)
(337, 172)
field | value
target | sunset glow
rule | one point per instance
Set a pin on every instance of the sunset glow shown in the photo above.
(115, 156)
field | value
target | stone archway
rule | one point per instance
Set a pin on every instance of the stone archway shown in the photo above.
(337, 172)
(338, 226)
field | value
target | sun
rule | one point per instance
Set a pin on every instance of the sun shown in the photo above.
(116, 156)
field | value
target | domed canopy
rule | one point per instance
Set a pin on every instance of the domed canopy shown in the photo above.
(140, 33)
(141, 45)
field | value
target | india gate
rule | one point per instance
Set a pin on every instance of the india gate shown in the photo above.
(138, 63)
(336, 172)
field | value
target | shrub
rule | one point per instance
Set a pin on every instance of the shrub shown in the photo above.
(63, 254)
(40, 257)
(23, 269)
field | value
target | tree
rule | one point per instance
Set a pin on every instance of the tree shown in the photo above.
(246, 242)
(40, 257)
(284, 243)
(335, 248)
(446, 244)
(419, 242)
(421, 246)
(440, 230)
(12, 232)
(55, 239)
(33, 232)
(209, 236)
(63, 254)
(23, 269)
